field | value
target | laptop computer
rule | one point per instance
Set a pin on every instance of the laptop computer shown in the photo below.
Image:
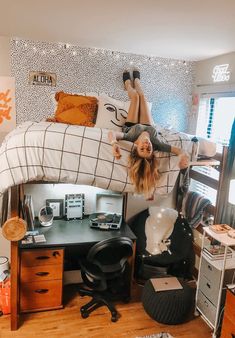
(166, 283)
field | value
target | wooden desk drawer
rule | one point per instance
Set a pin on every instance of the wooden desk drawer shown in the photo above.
(230, 306)
(228, 328)
(41, 295)
(40, 273)
(42, 257)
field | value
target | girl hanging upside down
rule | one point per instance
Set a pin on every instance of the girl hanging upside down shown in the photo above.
(139, 129)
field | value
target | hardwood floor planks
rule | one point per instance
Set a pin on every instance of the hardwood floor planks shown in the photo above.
(67, 322)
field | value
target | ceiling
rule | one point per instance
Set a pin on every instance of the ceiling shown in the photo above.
(178, 29)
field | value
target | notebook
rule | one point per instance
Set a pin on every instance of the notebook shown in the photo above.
(166, 283)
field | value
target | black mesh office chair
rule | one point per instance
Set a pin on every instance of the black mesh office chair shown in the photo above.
(106, 272)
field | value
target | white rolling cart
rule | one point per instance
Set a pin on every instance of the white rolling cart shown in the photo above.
(213, 276)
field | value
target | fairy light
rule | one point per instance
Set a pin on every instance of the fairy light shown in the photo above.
(165, 64)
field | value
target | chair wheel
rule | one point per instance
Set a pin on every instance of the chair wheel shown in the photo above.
(84, 313)
(114, 318)
(81, 293)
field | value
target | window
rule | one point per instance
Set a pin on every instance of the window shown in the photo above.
(215, 118)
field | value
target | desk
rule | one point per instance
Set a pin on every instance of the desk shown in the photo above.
(61, 235)
(76, 232)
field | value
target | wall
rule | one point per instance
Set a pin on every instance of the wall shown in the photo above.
(167, 83)
(204, 83)
(204, 70)
(5, 70)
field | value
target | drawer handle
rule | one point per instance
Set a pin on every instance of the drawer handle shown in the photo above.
(41, 291)
(205, 302)
(42, 273)
(42, 257)
(209, 267)
(208, 285)
(56, 253)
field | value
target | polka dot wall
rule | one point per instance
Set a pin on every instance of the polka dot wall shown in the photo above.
(167, 83)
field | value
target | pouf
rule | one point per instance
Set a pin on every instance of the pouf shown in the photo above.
(168, 306)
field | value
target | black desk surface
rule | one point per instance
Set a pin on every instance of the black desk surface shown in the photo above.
(76, 232)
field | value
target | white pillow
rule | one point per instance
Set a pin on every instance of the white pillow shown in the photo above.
(111, 113)
(206, 147)
(158, 227)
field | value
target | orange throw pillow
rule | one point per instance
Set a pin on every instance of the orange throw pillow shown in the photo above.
(76, 109)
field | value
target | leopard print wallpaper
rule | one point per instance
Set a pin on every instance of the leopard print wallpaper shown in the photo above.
(167, 83)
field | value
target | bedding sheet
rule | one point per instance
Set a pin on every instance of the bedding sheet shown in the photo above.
(54, 152)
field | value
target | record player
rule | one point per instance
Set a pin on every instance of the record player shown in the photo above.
(108, 215)
(105, 221)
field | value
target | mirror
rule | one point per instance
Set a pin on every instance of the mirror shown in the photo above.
(45, 216)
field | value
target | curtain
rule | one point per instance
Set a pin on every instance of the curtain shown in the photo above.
(226, 211)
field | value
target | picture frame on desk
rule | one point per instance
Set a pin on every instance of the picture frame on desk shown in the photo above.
(58, 207)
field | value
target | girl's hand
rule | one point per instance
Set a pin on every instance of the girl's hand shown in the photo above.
(116, 151)
(183, 160)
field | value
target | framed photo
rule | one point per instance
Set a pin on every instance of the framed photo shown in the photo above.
(57, 206)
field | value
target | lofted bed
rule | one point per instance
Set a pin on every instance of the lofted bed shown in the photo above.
(60, 153)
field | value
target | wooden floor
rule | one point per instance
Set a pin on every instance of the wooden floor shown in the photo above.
(67, 322)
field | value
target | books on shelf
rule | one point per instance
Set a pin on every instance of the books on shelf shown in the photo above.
(214, 252)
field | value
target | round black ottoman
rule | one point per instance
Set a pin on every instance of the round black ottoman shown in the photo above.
(168, 306)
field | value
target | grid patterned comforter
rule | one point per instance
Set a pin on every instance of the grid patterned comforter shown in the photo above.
(54, 152)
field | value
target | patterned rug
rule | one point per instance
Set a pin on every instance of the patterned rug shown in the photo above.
(157, 335)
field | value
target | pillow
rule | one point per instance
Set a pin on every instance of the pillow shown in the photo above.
(111, 113)
(75, 109)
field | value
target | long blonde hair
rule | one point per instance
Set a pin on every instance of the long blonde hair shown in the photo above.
(143, 173)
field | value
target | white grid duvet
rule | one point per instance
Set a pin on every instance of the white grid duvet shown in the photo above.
(54, 152)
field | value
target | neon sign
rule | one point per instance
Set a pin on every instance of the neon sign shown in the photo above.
(221, 73)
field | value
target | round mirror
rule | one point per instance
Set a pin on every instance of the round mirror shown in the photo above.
(45, 216)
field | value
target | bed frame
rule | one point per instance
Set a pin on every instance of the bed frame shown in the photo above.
(11, 208)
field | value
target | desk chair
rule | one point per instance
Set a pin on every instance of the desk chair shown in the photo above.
(105, 272)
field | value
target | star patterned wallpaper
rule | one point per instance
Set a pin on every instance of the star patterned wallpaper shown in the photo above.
(168, 83)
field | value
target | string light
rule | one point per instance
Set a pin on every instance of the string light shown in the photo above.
(72, 50)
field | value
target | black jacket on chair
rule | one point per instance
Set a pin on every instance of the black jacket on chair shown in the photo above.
(105, 272)
(177, 261)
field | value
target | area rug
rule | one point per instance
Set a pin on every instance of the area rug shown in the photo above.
(157, 335)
